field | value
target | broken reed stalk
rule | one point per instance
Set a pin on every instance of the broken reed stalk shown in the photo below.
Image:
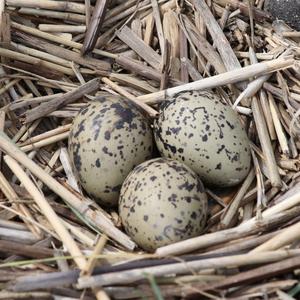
(12, 196)
(258, 14)
(232, 208)
(277, 125)
(230, 77)
(49, 4)
(42, 55)
(57, 55)
(58, 279)
(62, 28)
(92, 261)
(138, 45)
(265, 142)
(284, 238)
(52, 105)
(94, 26)
(45, 142)
(148, 109)
(254, 275)
(61, 40)
(131, 276)
(267, 113)
(32, 251)
(34, 61)
(47, 210)
(19, 236)
(158, 25)
(253, 225)
(94, 217)
(66, 16)
(53, 132)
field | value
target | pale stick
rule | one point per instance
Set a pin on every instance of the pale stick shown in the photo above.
(130, 276)
(48, 212)
(57, 39)
(45, 142)
(21, 208)
(92, 261)
(20, 236)
(282, 139)
(34, 61)
(48, 4)
(232, 209)
(286, 237)
(220, 41)
(66, 16)
(148, 109)
(230, 77)
(226, 235)
(47, 134)
(42, 55)
(62, 28)
(94, 216)
(69, 97)
(94, 26)
(159, 29)
(266, 144)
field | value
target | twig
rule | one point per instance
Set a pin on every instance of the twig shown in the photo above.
(232, 209)
(95, 217)
(221, 79)
(48, 4)
(148, 109)
(265, 142)
(94, 27)
(185, 268)
(226, 235)
(256, 274)
(159, 29)
(229, 58)
(139, 46)
(48, 212)
(69, 97)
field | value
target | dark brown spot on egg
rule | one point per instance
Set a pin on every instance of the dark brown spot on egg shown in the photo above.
(218, 166)
(98, 164)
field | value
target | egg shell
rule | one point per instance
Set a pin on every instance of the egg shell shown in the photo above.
(197, 129)
(162, 201)
(107, 140)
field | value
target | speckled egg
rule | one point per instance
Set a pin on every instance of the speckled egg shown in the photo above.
(107, 140)
(197, 129)
(162, 201)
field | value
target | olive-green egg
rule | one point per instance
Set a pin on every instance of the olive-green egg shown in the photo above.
(162, 201)
(196, 128)
(107, 140)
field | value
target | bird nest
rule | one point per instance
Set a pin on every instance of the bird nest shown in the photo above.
(56, 57)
